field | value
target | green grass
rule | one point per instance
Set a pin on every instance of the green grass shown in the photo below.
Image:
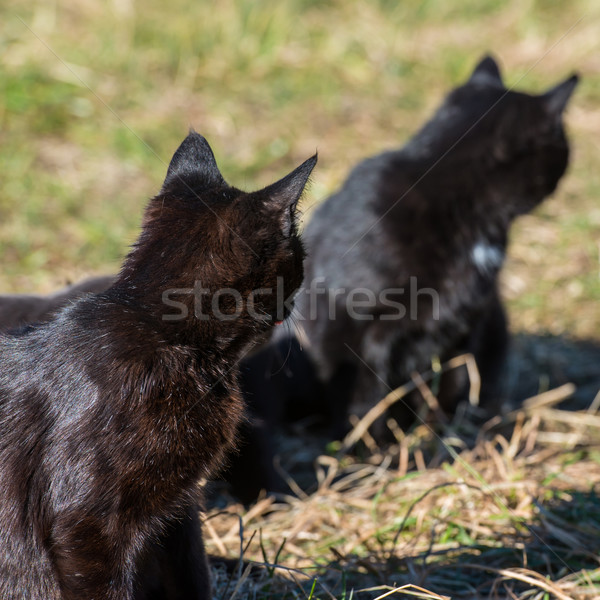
(94, 99)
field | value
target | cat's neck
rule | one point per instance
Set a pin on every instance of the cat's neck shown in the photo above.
(125, 312)
(455, 204)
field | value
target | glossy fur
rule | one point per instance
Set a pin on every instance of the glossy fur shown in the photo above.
(438, 213)
(248, 469)
(110, 414)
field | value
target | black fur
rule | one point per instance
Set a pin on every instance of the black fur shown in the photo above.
(249, 470)
(112, 411)
(17, 310)
(434, 215)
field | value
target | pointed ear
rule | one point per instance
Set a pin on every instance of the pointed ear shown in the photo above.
(487, 72)
(283, 195)
(557, 97)
(195, 157)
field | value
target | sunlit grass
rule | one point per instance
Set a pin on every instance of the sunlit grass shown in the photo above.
(94, 98)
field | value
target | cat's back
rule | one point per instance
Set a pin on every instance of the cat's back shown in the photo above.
(24, 423)
(22, 352)
(51, 374)
(40, 347)
(38, 366)
(360, 194)
(348, 228)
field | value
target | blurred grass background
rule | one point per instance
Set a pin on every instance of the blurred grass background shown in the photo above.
(95, 97)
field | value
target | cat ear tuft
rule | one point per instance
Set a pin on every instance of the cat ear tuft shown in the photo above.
(487, 72)
(284, 194)
(195, 157)
(287, 191)
(557, 97)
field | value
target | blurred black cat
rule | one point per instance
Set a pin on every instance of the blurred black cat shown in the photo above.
(402, 263)
(111, 411)
(17, 310)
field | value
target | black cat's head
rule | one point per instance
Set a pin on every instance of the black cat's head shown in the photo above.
(518, 137)
(211, 253)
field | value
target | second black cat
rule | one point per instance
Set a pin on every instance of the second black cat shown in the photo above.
(402, 263)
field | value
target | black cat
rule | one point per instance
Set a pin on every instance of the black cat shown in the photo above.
(17, 310)
(112, 411)
(249, 470)
(402, 263)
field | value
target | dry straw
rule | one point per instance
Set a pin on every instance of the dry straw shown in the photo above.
(509, 509)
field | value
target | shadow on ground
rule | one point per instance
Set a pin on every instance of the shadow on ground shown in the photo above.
(541, 362)
(537, 363)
